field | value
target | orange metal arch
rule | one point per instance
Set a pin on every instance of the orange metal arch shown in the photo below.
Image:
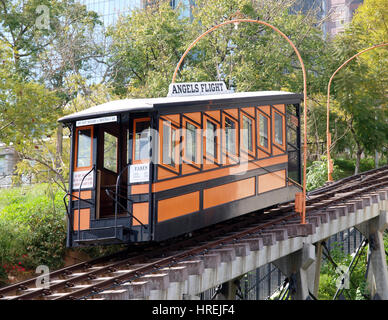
(328, 136)
(234, 21)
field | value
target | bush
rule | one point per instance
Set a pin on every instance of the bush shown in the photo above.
(317, 174)
(32, 228)
(329, 276)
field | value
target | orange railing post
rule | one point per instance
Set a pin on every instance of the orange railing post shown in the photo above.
(301, 206)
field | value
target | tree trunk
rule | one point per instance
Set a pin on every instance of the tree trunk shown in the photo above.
(59, 146)
(358, 159)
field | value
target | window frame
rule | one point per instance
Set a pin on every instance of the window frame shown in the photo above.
(283, 145)
(253, 133)
(237, 149)
(163, 122)
(197, 161)
(208, 156)
(76, 167)
(117, 151)
(259, 145)
(135, 122)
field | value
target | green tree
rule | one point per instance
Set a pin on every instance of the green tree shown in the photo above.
(360, 87)
(43, 69)
(147, 45)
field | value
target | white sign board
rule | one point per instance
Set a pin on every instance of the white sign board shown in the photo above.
(88, 122)
(88, 181)
(196, 88)
(139, 172)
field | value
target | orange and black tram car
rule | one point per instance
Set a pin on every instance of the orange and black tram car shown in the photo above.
(152, 169)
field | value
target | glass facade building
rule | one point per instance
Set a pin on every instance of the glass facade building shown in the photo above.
(110, 10)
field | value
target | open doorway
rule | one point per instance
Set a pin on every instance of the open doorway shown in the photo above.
(112, 157)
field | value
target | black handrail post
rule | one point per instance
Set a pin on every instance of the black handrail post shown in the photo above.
(116, 195)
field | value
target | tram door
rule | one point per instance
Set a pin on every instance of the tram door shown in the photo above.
(293, 145)
(111, 152)
(139, 154)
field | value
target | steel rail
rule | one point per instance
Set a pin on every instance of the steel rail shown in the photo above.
(172, 260)
(275, 215)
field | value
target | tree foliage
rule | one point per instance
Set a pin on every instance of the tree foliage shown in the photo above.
(360, 87)
(147, 45)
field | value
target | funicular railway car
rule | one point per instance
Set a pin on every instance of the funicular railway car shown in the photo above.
(151, 169)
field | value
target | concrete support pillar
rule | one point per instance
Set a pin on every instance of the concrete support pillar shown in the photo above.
(378, 272)
(295, 266)
(314, 270)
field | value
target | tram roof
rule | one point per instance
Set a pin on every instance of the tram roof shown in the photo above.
(143, 105)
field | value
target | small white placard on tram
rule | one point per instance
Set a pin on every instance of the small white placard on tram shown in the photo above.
(196, 88)
(139, 172)
(88, 122)
(88, 181)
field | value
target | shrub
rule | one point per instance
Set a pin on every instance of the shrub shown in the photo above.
(32, 228)
(329, 276)
(317, 174)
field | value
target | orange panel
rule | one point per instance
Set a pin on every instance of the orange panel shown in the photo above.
(164, 174)
(265, 109)
(232, 112)
(85, 219)
(140, 211)
(228, 192)
(250, 111)
(214, 114)
(84, 195)
(276, 151)
(262, 154)
(208, 166)
(178, 206)
(196, 116)
(139, 188)
(280, 107)
(186, 168)
(271, 181)
(174, 118)
(200, 177)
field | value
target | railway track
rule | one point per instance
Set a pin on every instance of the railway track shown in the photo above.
(85, 280)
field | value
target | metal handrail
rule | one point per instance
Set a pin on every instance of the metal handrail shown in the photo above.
(79, 202)
(130, 214)
(116, 195)
(67, 208)
(67, 211)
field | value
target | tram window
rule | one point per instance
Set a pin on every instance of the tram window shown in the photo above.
(230, 136)
(142, 140)
(169, 137)
(211, 139)
(84, 148)
(110, 152)
(263, 123)
(278, 128)
(247, 133)
(191, 142)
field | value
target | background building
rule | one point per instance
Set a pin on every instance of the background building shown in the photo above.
(340, 14)
(110, 10)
